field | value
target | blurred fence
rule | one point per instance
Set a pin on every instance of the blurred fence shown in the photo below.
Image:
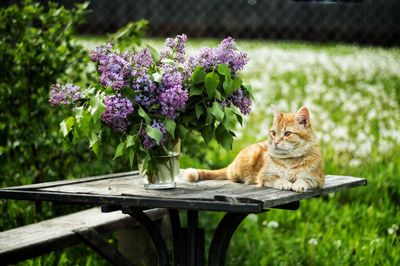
(366, 22)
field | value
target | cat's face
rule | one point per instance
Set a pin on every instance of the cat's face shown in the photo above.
(291, 134)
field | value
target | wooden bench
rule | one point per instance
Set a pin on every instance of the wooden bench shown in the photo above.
(40, 238)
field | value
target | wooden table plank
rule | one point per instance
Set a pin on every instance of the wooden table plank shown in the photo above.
(127, 188)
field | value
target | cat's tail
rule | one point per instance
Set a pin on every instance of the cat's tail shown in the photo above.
(194, 175)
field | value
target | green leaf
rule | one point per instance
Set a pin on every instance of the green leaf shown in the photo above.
(109, 91)
(144, 115)
(224, 137)
(128, 93)
(97, 107)
(240, 119)
(227, 141)
(210, 118)
(95, 144)
(230, 119)
(131, 157)
(120, 150)
(224, 70)
(208, 134)
(66, 125)
(130, 141)
(167, 61)
(85, 124)
(211, 81)
(237, 83)
(170, 125)
(198, 76)
(217, 95)
(249, 90)
(78, 111)
(154, 53)
(199, 110)
(228, 86)
(157, 77)
(216, 111)
(154, 133)
(195, 90)
(93, 139)
(183, 131)
(96, 148)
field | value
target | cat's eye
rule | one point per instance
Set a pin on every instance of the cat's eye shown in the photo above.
(288, 133)
(273, 133)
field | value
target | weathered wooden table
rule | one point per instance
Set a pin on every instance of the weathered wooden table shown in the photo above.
(125, 191)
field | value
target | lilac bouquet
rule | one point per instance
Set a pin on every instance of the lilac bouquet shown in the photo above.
(145, 101)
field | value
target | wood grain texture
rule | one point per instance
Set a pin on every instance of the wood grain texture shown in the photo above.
(57, 233)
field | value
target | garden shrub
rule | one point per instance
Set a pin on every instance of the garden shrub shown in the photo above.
(37, 50)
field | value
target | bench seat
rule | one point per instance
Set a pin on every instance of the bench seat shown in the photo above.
(40, 238)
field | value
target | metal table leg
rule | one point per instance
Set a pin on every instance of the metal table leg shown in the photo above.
(153, 232)
(175, 231)
(188, 242)
(222, 237)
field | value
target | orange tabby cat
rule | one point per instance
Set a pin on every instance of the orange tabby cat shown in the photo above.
(289, 160)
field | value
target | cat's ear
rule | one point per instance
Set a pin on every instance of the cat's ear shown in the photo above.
(303, 116)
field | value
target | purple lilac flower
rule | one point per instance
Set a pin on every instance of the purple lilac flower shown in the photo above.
(176, 48)
(241, 101)
(149, 142)
(114, 69)
(146, 91)
(173, 100)
(100, 52)
(172, 79)
(117, 111)
(225, 53)
(66, 94)
(143, 58)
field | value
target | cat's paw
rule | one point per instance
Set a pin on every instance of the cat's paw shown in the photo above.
(282, 184)
(191, 175)
(291, 178)
(300, 186)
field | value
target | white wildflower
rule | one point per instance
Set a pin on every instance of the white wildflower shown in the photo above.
(253, 217)
(313, 241)
(393, 229)
(354, 162)
(273, 224)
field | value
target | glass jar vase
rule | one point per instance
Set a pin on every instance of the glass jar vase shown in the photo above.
(166, 169)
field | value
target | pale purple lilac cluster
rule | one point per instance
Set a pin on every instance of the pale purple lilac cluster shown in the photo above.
(225, 53)
(173, 96)
(114, 69)
(173, 100)
(66, 94)
(175, 48)
(241, 101)
(150, 143)
(117, 111)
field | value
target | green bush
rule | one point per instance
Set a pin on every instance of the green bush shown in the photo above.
(36, 50)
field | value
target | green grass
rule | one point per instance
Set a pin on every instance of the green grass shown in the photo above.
(353, 94)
